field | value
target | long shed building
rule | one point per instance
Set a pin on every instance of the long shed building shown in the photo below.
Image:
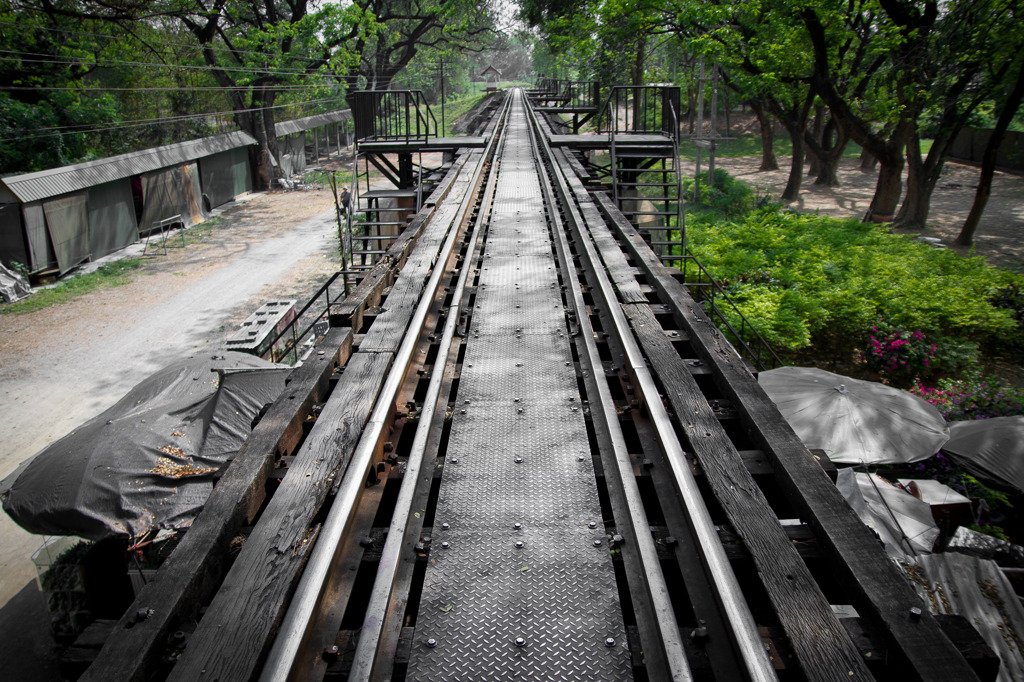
(53, 220)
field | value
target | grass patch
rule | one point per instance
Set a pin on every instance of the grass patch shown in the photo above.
(453, 109)
(113, 274)
(199, 232)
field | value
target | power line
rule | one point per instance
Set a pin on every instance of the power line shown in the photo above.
(61, 130)
(195, 46)
(19, 88)
(19, 56)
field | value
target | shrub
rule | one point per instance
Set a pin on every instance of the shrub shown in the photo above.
(974, 397)
(897, 353)
(823, 280)
(728, 197)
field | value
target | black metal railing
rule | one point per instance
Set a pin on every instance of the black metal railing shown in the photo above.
(392, 115)
(744, 336)
(641, 109)
(314, 319)
(560, 93)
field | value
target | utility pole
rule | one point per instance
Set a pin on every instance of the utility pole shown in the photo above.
(441, 63)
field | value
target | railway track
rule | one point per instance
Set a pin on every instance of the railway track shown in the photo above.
(534, 458)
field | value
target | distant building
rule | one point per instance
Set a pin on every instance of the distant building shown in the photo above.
(492, 76)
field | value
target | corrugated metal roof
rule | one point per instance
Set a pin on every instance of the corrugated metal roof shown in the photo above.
(297, 125)
(57, 181)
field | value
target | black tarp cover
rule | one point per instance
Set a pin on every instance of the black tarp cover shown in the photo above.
(148, 461)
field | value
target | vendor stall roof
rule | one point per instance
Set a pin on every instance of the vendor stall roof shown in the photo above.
(56, 181)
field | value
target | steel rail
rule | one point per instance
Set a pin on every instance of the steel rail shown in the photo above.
(728, 593)
(369, 635)
(298, 619)
(665, 620)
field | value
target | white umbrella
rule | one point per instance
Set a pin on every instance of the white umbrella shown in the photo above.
(855, 421)
(990, 448)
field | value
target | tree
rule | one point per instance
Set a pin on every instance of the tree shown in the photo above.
(408, 26)
(1010, 105)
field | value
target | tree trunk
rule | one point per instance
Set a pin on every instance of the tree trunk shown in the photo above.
(817, 132)
(796, 167)
(768, 160)
(831, 153)
(887, 191)
(988, 161)
(868, 161)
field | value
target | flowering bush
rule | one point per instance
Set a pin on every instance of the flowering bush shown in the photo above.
(897, 353)
(975, 397)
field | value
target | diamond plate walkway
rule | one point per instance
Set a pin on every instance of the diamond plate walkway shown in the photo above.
(521, 592)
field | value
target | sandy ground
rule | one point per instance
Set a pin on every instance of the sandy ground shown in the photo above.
(1000, 236)
(63, 365)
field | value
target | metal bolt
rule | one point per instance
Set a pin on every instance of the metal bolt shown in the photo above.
(455, 461)
(609, 642)
(465, 402)
(445, 526)
(178, 638)
(519, 460)
(517, 525)
(520, 641)
(431, 642)
(592, 524)
(580, 458)
(520, 544)
(915, 613)
(617, 540)
(445, 545)
(597, 543)
(330, 653)
(520, 410)
(700, 633)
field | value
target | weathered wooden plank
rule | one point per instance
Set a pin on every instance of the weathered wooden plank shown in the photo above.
(620, 272)
(387, 331)
(821, 644)
(195, 567)
(256, 589)
(876, 588)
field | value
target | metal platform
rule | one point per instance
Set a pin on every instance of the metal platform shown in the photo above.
(603, 140)
(537, 601)
(430, 144)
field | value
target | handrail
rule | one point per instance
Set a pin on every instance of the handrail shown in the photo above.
(763, 357)
(296, 338)
(385, 115)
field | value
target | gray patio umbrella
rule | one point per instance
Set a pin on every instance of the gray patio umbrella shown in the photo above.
(855, 421)
(990, 448)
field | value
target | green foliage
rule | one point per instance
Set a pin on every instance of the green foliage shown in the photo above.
(826, 281)
(729, 197)
(116, 273)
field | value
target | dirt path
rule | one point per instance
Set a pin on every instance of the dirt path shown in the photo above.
(62, 365)
(1000, 237)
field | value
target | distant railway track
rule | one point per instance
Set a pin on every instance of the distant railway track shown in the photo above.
(534, 457)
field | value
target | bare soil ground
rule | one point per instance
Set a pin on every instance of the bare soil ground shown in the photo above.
(1000, 237)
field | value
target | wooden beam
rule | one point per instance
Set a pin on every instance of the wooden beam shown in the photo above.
(876, 588)
(195, 567)
(256, 589)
